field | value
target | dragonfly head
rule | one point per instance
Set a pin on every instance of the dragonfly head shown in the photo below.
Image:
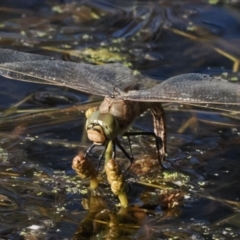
(101, 127)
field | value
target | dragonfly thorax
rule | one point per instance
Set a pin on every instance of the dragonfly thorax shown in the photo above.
(101, 127)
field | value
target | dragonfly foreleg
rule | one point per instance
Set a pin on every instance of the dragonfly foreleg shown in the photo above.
(90, 149)
(100, 156)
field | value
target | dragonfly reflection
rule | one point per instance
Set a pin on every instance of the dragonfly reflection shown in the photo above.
(123, 100)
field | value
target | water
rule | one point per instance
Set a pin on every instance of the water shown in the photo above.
(40, 194)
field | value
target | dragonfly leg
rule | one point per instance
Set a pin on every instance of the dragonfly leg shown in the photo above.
(100, 156)
(109, 151)
(130, 146)
(90, 149)
(118, 143)
(130, 158)
(157, 139)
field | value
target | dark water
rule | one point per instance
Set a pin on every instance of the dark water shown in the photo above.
(40, 196)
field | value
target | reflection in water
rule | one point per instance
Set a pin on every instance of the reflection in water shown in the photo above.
(103, 221)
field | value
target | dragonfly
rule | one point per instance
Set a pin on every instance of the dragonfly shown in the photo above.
(125, 97)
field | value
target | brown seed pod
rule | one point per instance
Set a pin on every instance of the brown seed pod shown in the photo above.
(83, 167)
(144, 165)
(115, 177)
(117, 186)
(171, 198)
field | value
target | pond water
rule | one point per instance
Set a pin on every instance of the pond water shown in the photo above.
(42, 126)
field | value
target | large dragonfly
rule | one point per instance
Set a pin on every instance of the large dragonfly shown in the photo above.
(123, 100)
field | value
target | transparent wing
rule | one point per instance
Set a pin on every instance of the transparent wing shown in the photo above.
(10, 56)
(109, 79)
(114, 79)
(192, 88)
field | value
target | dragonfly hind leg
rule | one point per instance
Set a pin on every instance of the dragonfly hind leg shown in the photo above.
(158, 144)
(129, 157)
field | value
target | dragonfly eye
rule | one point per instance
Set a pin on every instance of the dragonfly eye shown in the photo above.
(110, 125)
(101, 127)
(90, 111)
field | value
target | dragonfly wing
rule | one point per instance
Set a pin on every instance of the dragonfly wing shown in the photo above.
(192, 88)
(10, 56)
(109, 79)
